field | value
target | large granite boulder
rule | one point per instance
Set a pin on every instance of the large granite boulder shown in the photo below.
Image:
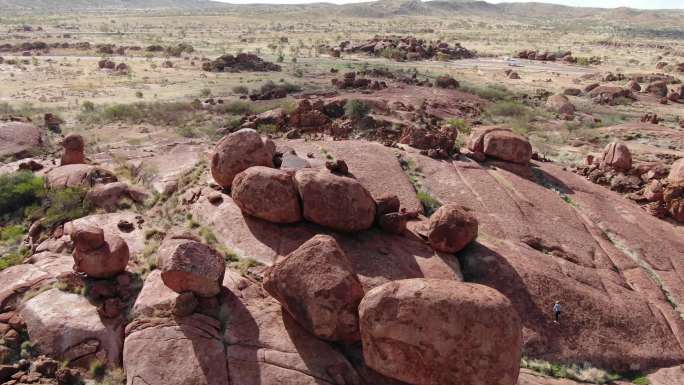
(338, 202)
(268, 194)
(317, 285)
(239, 151)
(438, 332)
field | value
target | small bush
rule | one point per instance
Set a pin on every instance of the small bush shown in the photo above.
(97, 369)
(430, 203)
(88, 106)
(113, 377)
(240, 90)
(205, 92)
(492, 92)
(266, 129)
(508, 108)
(139, 94)
(356, 109)
(13, 258)
(65, 205)
(237, 108)
(12, 234)
(460, 125)
(19, 191)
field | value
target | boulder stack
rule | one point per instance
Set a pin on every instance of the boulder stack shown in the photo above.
(436, 332)
(317, 285)
(98, 254)
(237, 152)
(74, 146)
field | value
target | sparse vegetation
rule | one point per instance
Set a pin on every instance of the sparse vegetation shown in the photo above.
(584, 373)
(356, 109)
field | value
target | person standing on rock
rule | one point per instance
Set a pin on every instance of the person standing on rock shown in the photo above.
(557, 311)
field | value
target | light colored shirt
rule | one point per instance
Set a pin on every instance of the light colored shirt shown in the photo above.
(557, 307)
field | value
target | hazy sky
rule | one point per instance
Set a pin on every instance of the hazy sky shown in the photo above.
(645, 4)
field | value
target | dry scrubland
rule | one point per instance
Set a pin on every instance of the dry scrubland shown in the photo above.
(614, 258)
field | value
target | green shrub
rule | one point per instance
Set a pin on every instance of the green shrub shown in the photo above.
(88, 106)
(492, 92)
(266, 129)
(240, 90)
(205, 92)
(356, 109)
(167, 113)
(236, 108)
(582, 373)
(97, 369)
(18, 191)
(12, 234)
(459, 124)
(64, 205)
(508, 108)
(12, 258)
(430, 203)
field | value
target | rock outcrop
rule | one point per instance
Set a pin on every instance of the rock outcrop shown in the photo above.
(19, 139)
(78, 175)
(437, 332)
(239, 151)
(68, 327)
(317, 285)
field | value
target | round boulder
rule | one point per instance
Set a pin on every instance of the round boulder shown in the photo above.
(98, 254)
(441, 332)
(617, 156)
(338, 202)
(268, 194)
(501, 143)
(239, 151)
(451, 228)
(317, 285)
(560, 104)
(188, 265)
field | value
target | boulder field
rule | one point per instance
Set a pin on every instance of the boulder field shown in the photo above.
(353, 280)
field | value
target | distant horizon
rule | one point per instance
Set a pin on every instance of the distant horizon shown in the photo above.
(636, 4)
